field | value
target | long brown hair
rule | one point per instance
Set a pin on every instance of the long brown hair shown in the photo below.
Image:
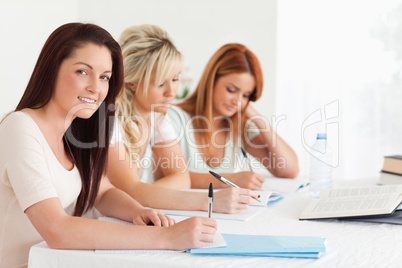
(94, 132)
(230, 58)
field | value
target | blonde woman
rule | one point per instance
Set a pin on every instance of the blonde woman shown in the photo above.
(152, 66)
(217, 120)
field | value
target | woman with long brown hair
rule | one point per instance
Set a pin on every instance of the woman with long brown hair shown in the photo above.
(217, 120)
(53, 155)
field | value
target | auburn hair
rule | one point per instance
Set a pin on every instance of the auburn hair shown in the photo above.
(230, 58)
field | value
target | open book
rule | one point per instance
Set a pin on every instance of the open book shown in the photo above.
(275, 189)
(371, 201)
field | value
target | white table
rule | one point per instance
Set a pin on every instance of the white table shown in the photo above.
(349, 244)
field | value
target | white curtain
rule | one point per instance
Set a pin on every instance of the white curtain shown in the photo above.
(339, 69)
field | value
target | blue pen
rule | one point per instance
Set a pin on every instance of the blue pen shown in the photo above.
(210, 199)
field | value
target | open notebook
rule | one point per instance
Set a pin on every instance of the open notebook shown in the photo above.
(273, 190)
(244, 215)
(219, 241)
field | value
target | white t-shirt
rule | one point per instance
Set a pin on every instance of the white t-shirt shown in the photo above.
(159, 132)
(233, 159)
(29, 173)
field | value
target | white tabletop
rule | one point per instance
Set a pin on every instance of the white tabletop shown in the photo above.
(349, 244)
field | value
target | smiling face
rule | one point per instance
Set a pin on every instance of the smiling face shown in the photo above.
(82, 81)
(230, 91)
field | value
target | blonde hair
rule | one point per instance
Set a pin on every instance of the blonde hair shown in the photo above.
(148, 51)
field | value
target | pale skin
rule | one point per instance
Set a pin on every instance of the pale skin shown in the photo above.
(231, 94)
(124, 175)
(82, 82)
(158, 99)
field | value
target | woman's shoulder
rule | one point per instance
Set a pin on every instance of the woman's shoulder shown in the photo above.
(17, 120)
(19, 129)
(175, 113)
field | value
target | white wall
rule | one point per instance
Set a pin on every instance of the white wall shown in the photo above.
(345, 51)
(347, 56)
(199, 28)
(25, 26)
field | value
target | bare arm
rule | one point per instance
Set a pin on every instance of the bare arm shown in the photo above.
(171, 163)
(67, 232)
(270, 149)
(245, 179)
(109, 198)
(125, 177)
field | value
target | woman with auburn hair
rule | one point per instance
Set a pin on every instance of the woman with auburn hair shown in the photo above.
(54, 148)
(216, 121)
(152, 66)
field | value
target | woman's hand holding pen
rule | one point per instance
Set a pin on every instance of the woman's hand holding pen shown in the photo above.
(190, 233)
(233, 200)
(246, 179)
(146, 216)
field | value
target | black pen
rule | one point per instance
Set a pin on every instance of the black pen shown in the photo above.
(248, 159)
(210, 199)
(225, 181)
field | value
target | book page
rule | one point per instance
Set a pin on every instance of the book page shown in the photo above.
(371, 191)
(350, 202)
(283, 186)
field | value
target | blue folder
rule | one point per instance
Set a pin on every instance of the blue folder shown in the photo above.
(308, 255)
(266, 245)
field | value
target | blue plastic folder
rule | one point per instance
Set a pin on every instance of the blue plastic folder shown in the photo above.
(270, 246)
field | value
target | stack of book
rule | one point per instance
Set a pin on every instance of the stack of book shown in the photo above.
(391, 172)
(393, 164)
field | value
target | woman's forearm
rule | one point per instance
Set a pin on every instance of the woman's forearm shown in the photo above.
(272, 151)
(175, 180)
(110, 197)
(155, 196)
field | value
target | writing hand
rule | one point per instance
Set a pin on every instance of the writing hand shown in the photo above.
(233, 200)
(191, 233)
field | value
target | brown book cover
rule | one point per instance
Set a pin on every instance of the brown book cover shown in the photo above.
(393, 164)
